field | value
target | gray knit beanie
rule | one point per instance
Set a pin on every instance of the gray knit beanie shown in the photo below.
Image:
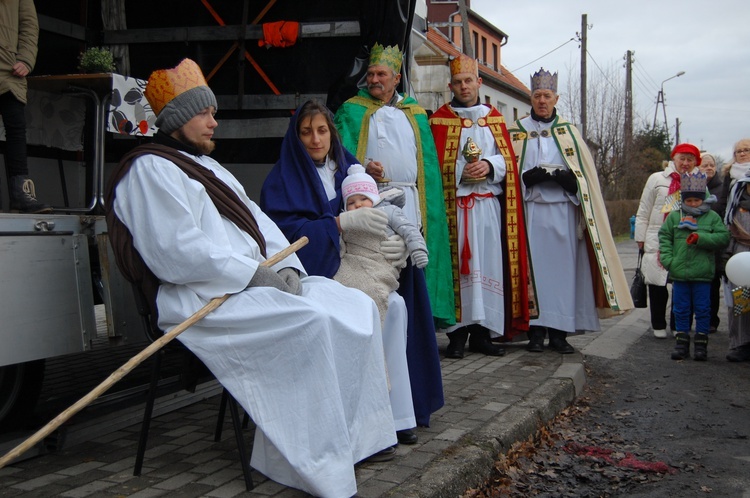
(185, 107)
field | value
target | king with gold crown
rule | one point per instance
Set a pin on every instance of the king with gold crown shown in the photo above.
(390, 135)
(567, 224)
(482, 191)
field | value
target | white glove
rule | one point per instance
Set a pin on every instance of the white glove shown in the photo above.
(394, 250)
(419, 258)
(291, 278)
(367, 219)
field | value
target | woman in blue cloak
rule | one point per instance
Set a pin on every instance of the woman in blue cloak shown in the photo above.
(302, 194)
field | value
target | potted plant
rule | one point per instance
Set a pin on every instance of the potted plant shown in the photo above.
(96, 60)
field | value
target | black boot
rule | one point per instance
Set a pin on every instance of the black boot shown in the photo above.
(558, 342)
(536, 339)
(700, 344)
(682, 346)
(479, 342)
(457, 343)
(23, 196)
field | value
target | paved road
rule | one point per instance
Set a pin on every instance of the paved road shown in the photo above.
(490, 404)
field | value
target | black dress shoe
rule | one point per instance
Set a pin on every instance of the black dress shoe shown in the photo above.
(407, 437)
(457, 343)
(558, 342)
(739, 354)
(479, 342)
(385, 455)
(536, 339)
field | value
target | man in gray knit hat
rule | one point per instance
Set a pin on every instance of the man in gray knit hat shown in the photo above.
(178, 95)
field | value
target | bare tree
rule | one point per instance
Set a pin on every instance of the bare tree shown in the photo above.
(606, 115)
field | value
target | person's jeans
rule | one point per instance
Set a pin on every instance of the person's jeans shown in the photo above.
(689, 297)
(14, 120)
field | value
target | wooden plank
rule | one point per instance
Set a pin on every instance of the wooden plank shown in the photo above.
(52, 25)
(316, 30)
(225, 33)
(267, 102)
(251, 128)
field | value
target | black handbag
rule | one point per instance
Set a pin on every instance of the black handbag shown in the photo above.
(638, 287)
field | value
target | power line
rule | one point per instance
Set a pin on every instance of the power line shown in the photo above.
(734, 109)
(600, 70)
(656, 85)
(641, 84)
(543, 56)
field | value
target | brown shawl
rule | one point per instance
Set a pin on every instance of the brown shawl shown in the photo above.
(129, 261)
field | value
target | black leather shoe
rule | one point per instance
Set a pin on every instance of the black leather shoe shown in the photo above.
(739, 354)
(407, 436)
(558, 342)
(479, 342)
(457, 343)
(385, 455)
(536, 339)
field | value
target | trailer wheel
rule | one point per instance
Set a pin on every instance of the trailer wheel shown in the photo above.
(20, 386)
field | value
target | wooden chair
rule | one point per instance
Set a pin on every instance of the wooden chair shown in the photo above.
(153, 333)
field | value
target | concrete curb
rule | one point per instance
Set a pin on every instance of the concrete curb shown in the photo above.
(468, 462)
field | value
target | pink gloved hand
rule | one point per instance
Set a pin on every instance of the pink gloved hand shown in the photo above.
(692, 238)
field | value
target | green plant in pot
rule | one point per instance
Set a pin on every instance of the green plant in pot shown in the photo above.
(96, 60)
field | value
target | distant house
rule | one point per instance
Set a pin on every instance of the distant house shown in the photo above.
(440, 41)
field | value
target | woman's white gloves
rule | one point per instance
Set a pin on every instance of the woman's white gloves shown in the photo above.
(394, 250)
(367, 219)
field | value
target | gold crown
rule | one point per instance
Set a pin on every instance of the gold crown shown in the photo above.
(386, 56)
(544, 80)
(166, 84)
(464, 64)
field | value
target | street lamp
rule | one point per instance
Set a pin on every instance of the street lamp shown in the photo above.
(660, 100)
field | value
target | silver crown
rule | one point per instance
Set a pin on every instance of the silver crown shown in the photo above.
(544, 80)
(693, 183)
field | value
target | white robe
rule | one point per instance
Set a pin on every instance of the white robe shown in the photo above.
(394, 337)
(391, 141)
(308, 369)
(558, 254)
(482, 295)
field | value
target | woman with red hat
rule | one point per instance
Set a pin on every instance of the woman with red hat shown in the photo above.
(660, 196)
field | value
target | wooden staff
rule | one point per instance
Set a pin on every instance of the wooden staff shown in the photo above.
(134, 362)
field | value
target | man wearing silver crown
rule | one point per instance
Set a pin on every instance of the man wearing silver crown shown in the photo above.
(567, 223)
(481, 184)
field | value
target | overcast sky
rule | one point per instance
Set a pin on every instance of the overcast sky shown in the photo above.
(709, 40)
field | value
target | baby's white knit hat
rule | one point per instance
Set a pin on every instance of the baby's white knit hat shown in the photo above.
(359, 182)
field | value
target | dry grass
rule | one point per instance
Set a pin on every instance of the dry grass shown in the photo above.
(619, 213)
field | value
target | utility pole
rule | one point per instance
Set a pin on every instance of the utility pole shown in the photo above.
(628, 129)
(660, 100)
(628, 132)
(676, 131)
(584, 28)
(468, 49)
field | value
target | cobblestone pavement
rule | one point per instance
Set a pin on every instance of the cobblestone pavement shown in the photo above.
(490, 402)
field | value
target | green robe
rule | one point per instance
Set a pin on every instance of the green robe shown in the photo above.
(353, 122)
